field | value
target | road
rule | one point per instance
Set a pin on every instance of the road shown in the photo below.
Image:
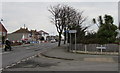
(22, 52)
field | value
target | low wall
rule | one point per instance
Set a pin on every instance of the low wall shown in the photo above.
(92, 47)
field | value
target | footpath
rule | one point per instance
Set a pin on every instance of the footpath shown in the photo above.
(62, 53)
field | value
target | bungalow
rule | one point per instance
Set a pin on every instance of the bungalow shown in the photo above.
(3, 33)
(43, 34)
(34, 35)
(24, 34)
(20, 34)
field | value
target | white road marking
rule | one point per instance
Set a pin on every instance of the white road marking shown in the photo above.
(4, 52)
(32, 56)
(13, 64)
(18, 62)
(27, 59)
(1, 69)
(27, 48)
(7, 66)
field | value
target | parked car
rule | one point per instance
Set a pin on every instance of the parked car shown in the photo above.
(53, 41)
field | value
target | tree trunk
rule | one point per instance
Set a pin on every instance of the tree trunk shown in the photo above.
(59, 39)
(65, 35)
(64, 38)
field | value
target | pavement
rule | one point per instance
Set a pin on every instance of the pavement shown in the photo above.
(61, 53)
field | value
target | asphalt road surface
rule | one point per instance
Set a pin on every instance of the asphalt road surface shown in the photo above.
(51, 64)
(22, 52)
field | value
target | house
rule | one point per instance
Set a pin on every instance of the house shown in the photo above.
(3, 33)
(34, 35)
(23, 34)
(20, 34)
(43, 34)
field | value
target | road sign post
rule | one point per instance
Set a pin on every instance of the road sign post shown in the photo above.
(75, 43)
(66, 32)
(70, 43)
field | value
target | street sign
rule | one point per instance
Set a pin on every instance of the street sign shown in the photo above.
(66, 31)
(72, 31)
(101, 47)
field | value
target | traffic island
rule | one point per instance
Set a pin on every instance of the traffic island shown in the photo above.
(62, 53)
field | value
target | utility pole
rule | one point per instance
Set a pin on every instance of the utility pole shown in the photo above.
(75, 43)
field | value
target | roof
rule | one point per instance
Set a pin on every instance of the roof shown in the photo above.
(35, 32)
(22, 30)
(41, 31)
(2, 28)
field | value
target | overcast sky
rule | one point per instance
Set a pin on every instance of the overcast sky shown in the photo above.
(36, 15)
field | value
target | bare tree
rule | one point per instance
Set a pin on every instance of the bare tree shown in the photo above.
(65, 17)
(57, 19)
(74, 18)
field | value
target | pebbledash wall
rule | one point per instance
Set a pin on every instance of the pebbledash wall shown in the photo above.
(92, 47)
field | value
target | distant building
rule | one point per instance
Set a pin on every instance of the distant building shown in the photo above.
(25, 34)
(43, 34)
(3, 33)
(34, 35)
(20, 34)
